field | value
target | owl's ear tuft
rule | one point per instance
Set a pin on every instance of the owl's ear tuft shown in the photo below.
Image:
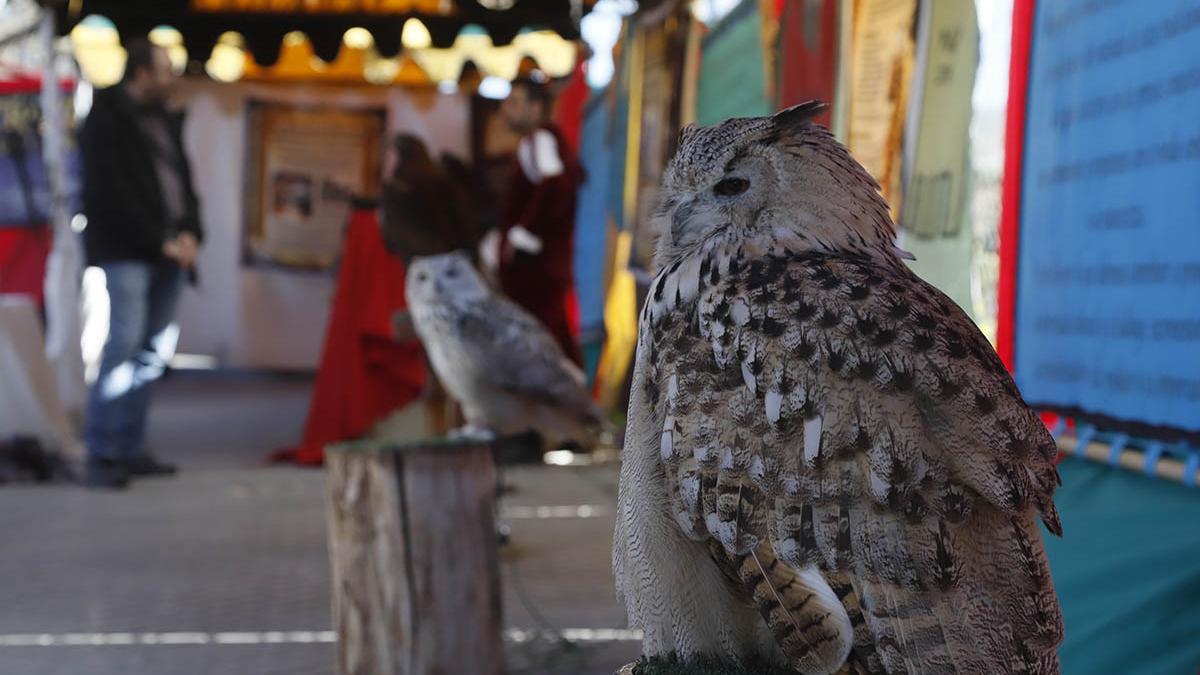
(790, 120)
(685, 133)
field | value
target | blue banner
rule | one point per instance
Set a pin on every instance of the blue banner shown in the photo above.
(591, 226)
(1108, 292)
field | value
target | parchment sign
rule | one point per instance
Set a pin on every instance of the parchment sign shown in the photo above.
(880, 72)
(308, 165)
(1108, 304)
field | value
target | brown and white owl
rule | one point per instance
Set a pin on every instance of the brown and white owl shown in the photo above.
(826, 464)
(498, 361)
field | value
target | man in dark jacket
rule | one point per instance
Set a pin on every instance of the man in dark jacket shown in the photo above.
(143, 230)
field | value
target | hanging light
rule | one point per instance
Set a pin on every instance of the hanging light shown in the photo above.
(503, 62)
(415, 35)
(294, 38)
(171, 40)
(440, 65)
(473, 40)
(228, 60)
(98, 49)
(358, 38)
(554, 54)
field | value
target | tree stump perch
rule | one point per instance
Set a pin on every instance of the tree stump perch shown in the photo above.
(416, 583)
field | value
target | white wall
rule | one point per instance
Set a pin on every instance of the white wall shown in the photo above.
(267, 318)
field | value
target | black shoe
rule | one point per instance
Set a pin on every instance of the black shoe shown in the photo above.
(107, 474)
(147, 465)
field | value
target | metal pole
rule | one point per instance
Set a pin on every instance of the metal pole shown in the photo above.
(53, 128)
(1130, 459)
(64, 266)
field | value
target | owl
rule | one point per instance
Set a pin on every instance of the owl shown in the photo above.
(826, 465)
(495, 359)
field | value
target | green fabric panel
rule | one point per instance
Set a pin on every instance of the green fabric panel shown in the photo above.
(731, 70)
(1127, 572)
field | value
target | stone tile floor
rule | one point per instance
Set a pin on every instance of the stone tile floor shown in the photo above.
(224, 568)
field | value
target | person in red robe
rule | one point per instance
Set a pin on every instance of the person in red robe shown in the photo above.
(536, 241)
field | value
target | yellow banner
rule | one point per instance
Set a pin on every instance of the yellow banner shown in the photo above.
(620, 325)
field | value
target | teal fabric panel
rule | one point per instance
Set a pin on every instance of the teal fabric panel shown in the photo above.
(1127, 571)
(731, 69)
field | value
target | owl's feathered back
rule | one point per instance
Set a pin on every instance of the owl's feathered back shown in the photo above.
(833, 433)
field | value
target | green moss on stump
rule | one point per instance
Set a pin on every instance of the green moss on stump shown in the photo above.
(667, 666)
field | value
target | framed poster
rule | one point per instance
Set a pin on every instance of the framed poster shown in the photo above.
(1103, 281)
(306, 167)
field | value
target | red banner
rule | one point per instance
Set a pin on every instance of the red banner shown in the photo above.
(808, 53)
(1010, 200)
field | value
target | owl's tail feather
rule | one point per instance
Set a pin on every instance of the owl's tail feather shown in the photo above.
(971, 600)
(804, 614)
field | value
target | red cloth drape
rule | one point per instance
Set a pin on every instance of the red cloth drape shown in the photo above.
(364, 374)
(808, 71)
(1010, 200)
(23, 253)
(568, 113)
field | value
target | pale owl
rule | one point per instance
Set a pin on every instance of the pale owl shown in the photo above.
(498, 361)
(826, 464)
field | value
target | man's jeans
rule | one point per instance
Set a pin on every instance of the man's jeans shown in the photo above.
(141, 340)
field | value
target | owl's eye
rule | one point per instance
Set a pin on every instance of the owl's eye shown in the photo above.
(421, 276)
(452, 273)
(730, 187)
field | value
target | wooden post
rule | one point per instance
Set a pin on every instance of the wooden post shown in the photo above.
(64, 267)
(416, 583)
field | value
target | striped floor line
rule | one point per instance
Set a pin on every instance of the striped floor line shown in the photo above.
(277, 637)
(554, 512)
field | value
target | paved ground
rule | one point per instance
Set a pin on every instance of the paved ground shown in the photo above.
(224, 569)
